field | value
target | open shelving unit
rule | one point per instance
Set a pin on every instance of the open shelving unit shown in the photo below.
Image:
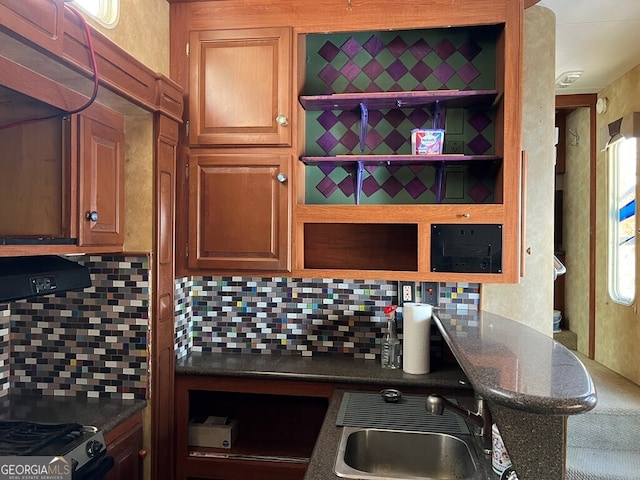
(393, 239)
(278, 424)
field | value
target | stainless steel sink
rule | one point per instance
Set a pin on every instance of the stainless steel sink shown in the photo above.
(369, 453)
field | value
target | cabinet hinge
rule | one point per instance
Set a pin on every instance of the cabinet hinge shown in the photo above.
(186, 250)
(186, 127)
(187, 50)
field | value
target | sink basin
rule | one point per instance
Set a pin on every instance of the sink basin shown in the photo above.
(368, 453)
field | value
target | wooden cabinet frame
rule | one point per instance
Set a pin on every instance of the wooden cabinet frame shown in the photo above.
(336, 16)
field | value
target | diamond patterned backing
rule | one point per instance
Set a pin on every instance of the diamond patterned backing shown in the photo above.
(399, 61)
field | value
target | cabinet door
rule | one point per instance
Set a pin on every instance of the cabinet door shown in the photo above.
(239, 211)
(240, 87)
(125, 446)
(101, 173)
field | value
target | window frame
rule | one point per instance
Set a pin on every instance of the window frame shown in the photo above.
(618, 293)
(107, 14)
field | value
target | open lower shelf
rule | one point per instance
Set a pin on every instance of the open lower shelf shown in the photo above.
(361, 246)
(412, 99)
(271, 428)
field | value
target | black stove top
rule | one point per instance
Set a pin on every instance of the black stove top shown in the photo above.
(81, 444)
(26, 438)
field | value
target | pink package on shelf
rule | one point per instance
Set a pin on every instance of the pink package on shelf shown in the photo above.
(426, 142)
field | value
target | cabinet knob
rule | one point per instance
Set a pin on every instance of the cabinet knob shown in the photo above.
(142, 453)
(282, 120)
(92, 216)
(281, 177)
(466, 215)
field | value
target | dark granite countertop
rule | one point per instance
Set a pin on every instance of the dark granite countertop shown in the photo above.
(327, 369)
(516, 366)
(103, 413)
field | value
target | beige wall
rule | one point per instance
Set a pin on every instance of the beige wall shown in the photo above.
(143, 31)
(531, 301)
(617, 332)
(575, 234)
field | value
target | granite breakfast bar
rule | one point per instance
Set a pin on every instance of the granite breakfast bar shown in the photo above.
(531, 382)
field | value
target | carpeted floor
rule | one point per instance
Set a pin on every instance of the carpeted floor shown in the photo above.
(604, 444)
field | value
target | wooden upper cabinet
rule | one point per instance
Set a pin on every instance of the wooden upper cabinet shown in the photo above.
(101, 172)
(238, 211)
(240, 87)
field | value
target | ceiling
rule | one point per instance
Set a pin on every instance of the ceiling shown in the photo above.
(600, 37)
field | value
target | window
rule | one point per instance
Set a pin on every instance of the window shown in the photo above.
(105, 12)
(622, 160)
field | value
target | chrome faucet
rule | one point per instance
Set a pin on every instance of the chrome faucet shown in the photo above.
(481, 419)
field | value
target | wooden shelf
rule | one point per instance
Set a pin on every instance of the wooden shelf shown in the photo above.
(237, 468)
(413, 99)
(396, 159)
(270, 437)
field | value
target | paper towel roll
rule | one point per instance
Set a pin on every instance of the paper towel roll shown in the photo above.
(416, 328)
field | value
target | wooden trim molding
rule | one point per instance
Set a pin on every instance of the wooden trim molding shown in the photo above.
(64, 67)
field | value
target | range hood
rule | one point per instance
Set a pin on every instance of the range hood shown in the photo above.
(27, 277)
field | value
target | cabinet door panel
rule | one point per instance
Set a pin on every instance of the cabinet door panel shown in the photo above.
(124, 444)
(239, 212)
(101, 178)
(239, 84)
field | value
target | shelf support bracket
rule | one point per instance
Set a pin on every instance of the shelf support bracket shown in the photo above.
(440, 181)
(358, 182)
(364, 121)
(439, 114)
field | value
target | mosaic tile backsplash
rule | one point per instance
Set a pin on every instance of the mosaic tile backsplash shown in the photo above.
(295, 316)
(413, 60)
(5, 349)
(92, 342)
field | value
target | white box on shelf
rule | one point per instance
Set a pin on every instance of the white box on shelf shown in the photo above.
(217, 432)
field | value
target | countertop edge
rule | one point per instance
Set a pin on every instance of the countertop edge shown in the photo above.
(103, 413)
(333, 370)
(547, 405)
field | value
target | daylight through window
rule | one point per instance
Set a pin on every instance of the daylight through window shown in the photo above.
(104, 12)
(622, 159)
